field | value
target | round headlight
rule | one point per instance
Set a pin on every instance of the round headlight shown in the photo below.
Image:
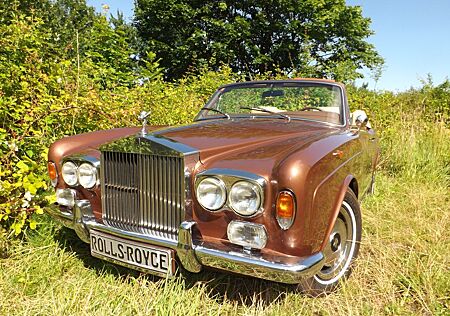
(69, 173)
(245, 198)
(87, 175)
(211, 193)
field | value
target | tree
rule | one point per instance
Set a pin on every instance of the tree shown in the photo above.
(83, 40)
(308, 37)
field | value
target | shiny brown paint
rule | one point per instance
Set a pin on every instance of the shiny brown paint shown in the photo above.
(295, 156)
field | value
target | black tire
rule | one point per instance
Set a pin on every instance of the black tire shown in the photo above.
(339, 256)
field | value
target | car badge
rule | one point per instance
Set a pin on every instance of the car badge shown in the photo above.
(143, 118)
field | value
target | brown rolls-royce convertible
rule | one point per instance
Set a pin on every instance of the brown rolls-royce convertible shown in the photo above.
(266, 182)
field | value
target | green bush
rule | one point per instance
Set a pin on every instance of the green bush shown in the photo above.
(413, 127)
(42, 100)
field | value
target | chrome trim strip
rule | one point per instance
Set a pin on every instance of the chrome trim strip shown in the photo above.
(169, 143)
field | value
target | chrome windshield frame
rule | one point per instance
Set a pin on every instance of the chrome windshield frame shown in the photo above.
(344, 119)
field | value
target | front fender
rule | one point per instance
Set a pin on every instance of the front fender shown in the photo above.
(336, 207)
(327, 199)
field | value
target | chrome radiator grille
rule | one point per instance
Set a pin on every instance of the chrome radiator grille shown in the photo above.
(143, 193)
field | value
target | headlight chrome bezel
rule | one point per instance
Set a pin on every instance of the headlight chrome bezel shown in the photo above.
(79, 161)
(231, 177)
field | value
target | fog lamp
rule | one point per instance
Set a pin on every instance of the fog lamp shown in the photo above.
(65, 197)
(247, 234)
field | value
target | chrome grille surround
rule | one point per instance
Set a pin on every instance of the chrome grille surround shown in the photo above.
(144, 186)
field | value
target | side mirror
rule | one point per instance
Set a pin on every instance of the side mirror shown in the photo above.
(360, 119)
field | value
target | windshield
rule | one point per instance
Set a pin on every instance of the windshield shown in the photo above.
(311, 101)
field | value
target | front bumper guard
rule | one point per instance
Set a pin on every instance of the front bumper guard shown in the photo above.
(193, 255)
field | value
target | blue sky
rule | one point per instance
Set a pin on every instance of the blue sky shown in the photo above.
(411, 35)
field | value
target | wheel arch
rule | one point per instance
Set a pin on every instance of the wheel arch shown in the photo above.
(349, 182)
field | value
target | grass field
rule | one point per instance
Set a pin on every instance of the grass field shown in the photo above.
(403, 267)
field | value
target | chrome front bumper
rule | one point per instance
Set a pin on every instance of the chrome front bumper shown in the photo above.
(193, 254)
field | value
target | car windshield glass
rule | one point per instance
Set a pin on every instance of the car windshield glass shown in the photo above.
(318, 102)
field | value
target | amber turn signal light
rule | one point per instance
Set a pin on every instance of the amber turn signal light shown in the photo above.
(286, 208)
(52, 172)
(285, 204)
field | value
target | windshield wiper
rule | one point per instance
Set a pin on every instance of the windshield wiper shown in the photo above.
(266, 111)
(217, 111)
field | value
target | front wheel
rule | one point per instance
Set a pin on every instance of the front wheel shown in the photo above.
(340, 251)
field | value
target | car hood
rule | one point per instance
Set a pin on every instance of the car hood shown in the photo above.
(246, 139)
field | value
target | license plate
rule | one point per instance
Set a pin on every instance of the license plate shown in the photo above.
(131, 253)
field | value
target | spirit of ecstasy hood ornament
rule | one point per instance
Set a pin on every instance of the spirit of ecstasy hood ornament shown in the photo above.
(143, 118)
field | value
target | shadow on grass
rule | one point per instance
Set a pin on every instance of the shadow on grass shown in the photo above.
(240, 289)
(219, 285)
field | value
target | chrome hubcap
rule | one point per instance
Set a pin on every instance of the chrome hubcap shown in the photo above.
(340, 247)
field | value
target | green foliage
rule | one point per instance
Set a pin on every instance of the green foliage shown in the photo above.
(25, 86)
(414, 130)
(308, 38)
(45, 91)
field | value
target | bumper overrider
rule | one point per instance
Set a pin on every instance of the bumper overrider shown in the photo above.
(193, 254)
